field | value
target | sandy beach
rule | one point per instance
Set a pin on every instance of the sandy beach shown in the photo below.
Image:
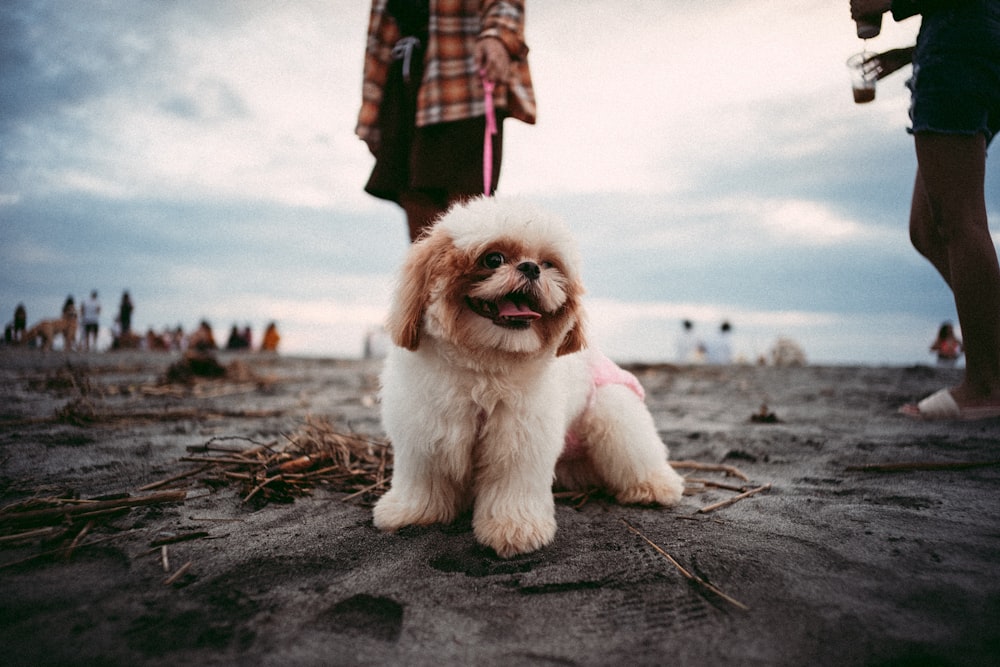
(877, 541)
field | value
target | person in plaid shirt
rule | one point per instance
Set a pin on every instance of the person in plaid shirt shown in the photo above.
(423, 113)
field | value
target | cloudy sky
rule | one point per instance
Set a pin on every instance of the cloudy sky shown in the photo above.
(708, 155)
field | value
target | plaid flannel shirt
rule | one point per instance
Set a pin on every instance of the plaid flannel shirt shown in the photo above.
(450, 89)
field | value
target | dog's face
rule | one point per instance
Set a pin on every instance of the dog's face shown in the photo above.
(492, 276)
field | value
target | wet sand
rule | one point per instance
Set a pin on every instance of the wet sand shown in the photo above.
(842, 561)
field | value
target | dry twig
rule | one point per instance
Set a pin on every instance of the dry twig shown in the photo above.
(54, 552)
(67, 509)
(711, 483)
(76, 540)
(47, 531)
(181, 571)
(174, 539)
(174, 478)
(731, 471)
(687, 574)
(922, 465)
(734, 499)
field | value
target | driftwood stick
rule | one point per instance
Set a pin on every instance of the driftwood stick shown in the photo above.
(181, 571)
(175, 478)
(47, 531)
(220, 438)
(731, 471)
(364, 490)
(261, 486)
(715, 485)
(35, 517)
(921, 465)
(734, 499)
(174, 539)
(79, 538)
(84, 513)
(219, 459)
(322, 472)
(680, 568)
(53, 552)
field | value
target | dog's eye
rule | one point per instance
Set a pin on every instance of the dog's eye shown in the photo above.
(547, 265)
(493, 260)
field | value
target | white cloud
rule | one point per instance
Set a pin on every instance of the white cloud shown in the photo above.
(648, 97)
(796, 221)
(33, 253)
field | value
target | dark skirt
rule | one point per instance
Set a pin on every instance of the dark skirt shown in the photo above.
(443, 161)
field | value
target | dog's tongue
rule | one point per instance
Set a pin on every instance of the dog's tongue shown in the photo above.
(512, 310)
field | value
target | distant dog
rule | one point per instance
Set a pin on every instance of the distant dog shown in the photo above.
(490, 395)
(47, 330)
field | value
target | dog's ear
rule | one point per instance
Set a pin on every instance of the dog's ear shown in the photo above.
(575, 339)
(413, 293)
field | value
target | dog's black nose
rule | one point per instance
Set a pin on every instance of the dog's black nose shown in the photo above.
(530, 270)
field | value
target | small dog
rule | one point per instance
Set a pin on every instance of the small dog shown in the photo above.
(47, 330)
(490, 395)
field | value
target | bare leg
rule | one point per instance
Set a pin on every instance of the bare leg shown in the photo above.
(949, 226)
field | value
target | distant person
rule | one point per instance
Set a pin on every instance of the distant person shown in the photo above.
(116, 334)
(235, 341)
(70, 314)
(20, 322)
(686, 344)
(423, 114)
(177, 338)
(90, 319)
(271, 338)
(947, 346)
(155, 342)
(238, 340)
(955, 112)
(203, 339)
(125, 313)
(719, 349)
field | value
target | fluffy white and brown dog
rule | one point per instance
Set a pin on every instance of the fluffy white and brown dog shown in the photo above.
(490, 395)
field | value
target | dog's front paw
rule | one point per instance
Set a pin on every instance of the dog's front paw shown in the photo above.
(665, 487)
(394, 511)
(510, 536)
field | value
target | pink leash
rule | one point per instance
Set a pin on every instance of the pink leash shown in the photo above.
(491, 129)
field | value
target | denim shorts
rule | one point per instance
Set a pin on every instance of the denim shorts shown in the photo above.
(955, 87)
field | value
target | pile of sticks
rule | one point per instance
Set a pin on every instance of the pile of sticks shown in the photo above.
(315, 455)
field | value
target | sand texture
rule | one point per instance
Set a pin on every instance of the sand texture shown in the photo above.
(877, 542)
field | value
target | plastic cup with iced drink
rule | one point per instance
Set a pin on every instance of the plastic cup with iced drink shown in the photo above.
(862, 76)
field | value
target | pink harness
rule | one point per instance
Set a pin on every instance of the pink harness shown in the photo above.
(603, 372)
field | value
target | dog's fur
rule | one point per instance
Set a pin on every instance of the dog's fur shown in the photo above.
(47, 330)
(489, 376)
